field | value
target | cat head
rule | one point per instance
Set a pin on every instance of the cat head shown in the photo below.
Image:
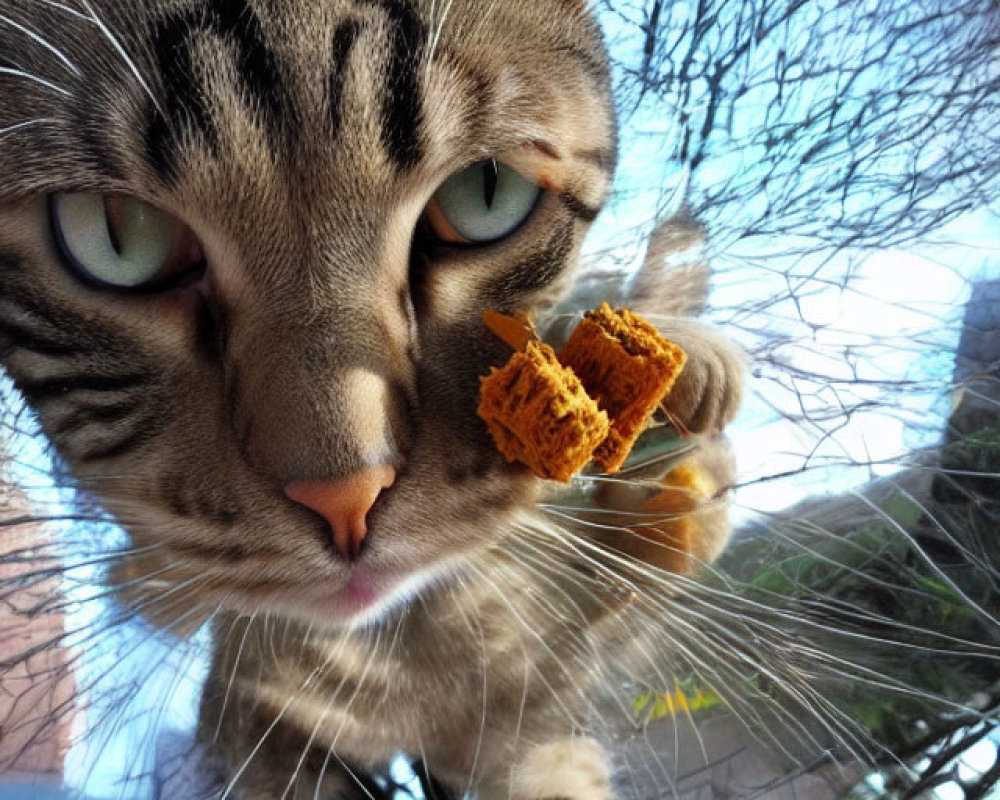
(246, 248)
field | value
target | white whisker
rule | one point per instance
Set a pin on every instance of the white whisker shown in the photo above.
(124, 56)
(534, 634)
(43, 42)
(65, 8)
(237, 774)
(484, 671)
(334, 697)
(18, 73)
(436, 36)
(232, 672)
(691, 634)
(927, 560)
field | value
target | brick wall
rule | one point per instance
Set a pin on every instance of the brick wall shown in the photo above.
(36, 680)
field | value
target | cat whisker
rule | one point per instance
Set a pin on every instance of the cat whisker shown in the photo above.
(394, 642)
(984, 649)
(50, 552)
(307, 747)
(192, 653)
(516, 739)
(322, 774)
(144, 581)
(514, 576)
(29, 519)
(132, 614)
(345, 714)
(477, 632)
(373, 648)
(19, 555)
(631, 773)
(824, 603)
(136, 610)
(664, 774)
(63, 7)
(116, 44)
(67, 638)
(565, 511)
(532, 633)
(71, 669)
(21, 586)
(843, 669)
(358, 782)
(40, 40)
(645, 652)
(928, 561)
(871, 558)
(116, 705)
(579, 648)
(525, 560)
(232, 674)
(18, 73)
(540, 546)
(690, 634)
(560, 514)
(436, 36)
(671, 583)
(675, 454)
(237, 774)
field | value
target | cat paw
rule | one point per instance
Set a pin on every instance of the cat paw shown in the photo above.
(709, 390)
(567, 769)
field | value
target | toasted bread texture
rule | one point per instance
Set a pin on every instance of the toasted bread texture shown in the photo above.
(540, 415)
(628, 368)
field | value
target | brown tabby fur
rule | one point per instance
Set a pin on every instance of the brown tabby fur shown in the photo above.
(301, 141)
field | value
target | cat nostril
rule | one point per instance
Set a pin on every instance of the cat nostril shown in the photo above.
(344, 504)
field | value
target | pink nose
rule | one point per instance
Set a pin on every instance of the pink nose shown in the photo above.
(344, 504)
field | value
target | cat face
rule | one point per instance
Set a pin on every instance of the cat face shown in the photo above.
(248, 245)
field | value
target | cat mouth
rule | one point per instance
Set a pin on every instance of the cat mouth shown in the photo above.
(365, 596)
(361, 594)
(369, 596)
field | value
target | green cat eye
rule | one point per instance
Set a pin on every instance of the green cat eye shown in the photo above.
(482, 203)
(120, 242)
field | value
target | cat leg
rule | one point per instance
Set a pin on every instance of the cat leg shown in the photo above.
(566, 769)
(709, 389)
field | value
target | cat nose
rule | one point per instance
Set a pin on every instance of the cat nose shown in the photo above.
(344, 504)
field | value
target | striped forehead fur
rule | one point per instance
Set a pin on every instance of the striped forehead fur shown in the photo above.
(174, 72)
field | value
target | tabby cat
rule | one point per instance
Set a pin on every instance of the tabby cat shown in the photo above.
(245, 249)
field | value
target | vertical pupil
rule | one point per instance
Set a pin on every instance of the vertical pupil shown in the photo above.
(491, 176)
(112, 214)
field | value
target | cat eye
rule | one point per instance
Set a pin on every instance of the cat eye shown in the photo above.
(481, 204)
(122, 243)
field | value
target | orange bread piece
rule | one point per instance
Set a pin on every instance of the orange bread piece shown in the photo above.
(540, 415)
(628, 368)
